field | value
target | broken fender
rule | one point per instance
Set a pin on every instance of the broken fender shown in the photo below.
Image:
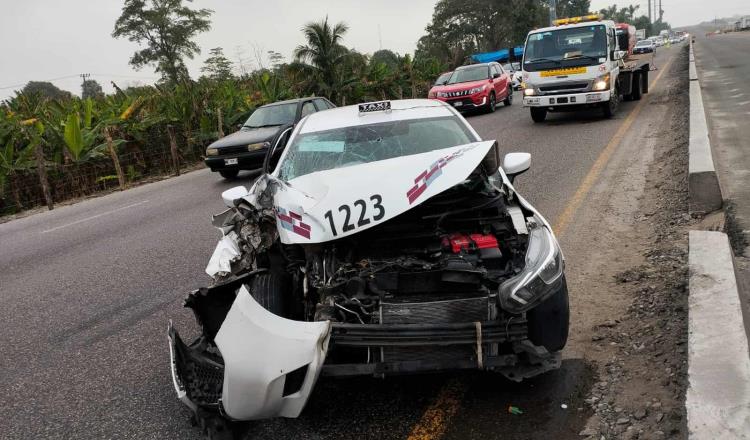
(271, 363)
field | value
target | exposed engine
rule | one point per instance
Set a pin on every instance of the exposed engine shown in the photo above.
(451, 247)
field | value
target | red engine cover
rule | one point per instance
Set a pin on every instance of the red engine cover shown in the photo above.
(479, 241)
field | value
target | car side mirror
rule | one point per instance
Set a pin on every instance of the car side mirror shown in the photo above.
(496, 75)
(232, 194)
(515, 164)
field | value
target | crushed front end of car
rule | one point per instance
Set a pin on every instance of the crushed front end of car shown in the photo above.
(468, 278)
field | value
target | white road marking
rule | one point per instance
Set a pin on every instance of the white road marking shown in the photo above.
(739, 95)
(94, 216)
(743, 103)
(734, 90)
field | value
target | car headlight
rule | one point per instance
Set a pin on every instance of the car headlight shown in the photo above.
(528, 90)
(477, 90)
(601, 83)
(212, 152)
(540, 276)
(442, 94)
(258, 146)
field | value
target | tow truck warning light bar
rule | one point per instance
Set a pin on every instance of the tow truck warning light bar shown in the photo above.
(581, 19)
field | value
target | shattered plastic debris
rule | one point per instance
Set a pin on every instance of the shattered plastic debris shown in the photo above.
(514, 410)
(227, 251)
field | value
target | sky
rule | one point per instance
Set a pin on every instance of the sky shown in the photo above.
(59, 39)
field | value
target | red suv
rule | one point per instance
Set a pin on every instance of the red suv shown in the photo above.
(475, 86)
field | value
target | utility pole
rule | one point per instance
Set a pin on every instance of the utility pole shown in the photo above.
(661, 12)
(649, 12)
(552, 11)
(84, 76)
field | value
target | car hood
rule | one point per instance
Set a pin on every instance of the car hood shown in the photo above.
(332, 204)
(460, 86)
(246, 136)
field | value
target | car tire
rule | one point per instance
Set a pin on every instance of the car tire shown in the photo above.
(609, 108)
(229, 174)
(548, 323)
(538, 114)
(271, 290)
(492, 103)
(636, 94)
(509, 97)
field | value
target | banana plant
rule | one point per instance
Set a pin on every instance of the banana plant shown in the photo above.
(81, 138)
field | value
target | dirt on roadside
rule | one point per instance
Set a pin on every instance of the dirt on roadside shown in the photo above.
(633, 307)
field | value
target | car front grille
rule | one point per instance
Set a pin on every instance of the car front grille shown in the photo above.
(436, 312)
(456, 94)
(223, 151)
(564, 88)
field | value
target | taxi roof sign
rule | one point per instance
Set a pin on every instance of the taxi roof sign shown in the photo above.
(581, 19)
(378, 106)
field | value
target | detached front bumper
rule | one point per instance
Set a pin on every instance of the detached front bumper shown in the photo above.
(266, 366)
(261, 365)
(566, 99)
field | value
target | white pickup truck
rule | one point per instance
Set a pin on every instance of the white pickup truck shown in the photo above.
(578, 63)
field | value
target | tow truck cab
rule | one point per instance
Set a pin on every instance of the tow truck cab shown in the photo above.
(579, 63)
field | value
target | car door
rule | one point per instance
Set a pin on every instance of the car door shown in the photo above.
(501, 82)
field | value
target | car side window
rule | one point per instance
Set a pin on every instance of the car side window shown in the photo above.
(307, 108)
(321, 104)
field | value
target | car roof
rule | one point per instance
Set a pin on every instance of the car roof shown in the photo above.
(468, 66)
(348, 116)
(292, 101)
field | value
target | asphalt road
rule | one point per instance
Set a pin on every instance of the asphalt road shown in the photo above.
(88, 289)
(723, 63)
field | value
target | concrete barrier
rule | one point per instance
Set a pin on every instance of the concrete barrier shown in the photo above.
(703, 184)
(718, 395)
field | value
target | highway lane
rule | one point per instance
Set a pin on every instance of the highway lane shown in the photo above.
(723, 63)
(88, 289)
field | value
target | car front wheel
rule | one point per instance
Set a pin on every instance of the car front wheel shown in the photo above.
(538, 114)
(229, 174)
(491, 103)
(549, 321)
(509, 97)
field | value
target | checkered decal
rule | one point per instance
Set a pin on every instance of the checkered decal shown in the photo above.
(291, 221)
(423, 180)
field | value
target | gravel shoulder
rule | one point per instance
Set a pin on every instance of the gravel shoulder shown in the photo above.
(630, 306)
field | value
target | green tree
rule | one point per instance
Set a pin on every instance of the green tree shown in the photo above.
(45, 90)
(90, 88)
(323, 55)
(460, 28)
(385, 56)
(167, 28)
(573, 8)
(217, 66)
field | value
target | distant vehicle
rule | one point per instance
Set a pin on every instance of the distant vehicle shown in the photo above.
(246, 149)
(644, 46)
(561, 74)
(476, 86)
(514, 69)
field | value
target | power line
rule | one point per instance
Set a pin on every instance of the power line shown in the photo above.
(113, 75)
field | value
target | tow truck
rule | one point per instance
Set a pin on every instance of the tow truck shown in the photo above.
(578, 63)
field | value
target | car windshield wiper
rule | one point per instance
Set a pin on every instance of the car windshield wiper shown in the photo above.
(578, 57)
(543, 60)
(262, 126)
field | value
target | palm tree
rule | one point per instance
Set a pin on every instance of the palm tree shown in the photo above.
(323, 55)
